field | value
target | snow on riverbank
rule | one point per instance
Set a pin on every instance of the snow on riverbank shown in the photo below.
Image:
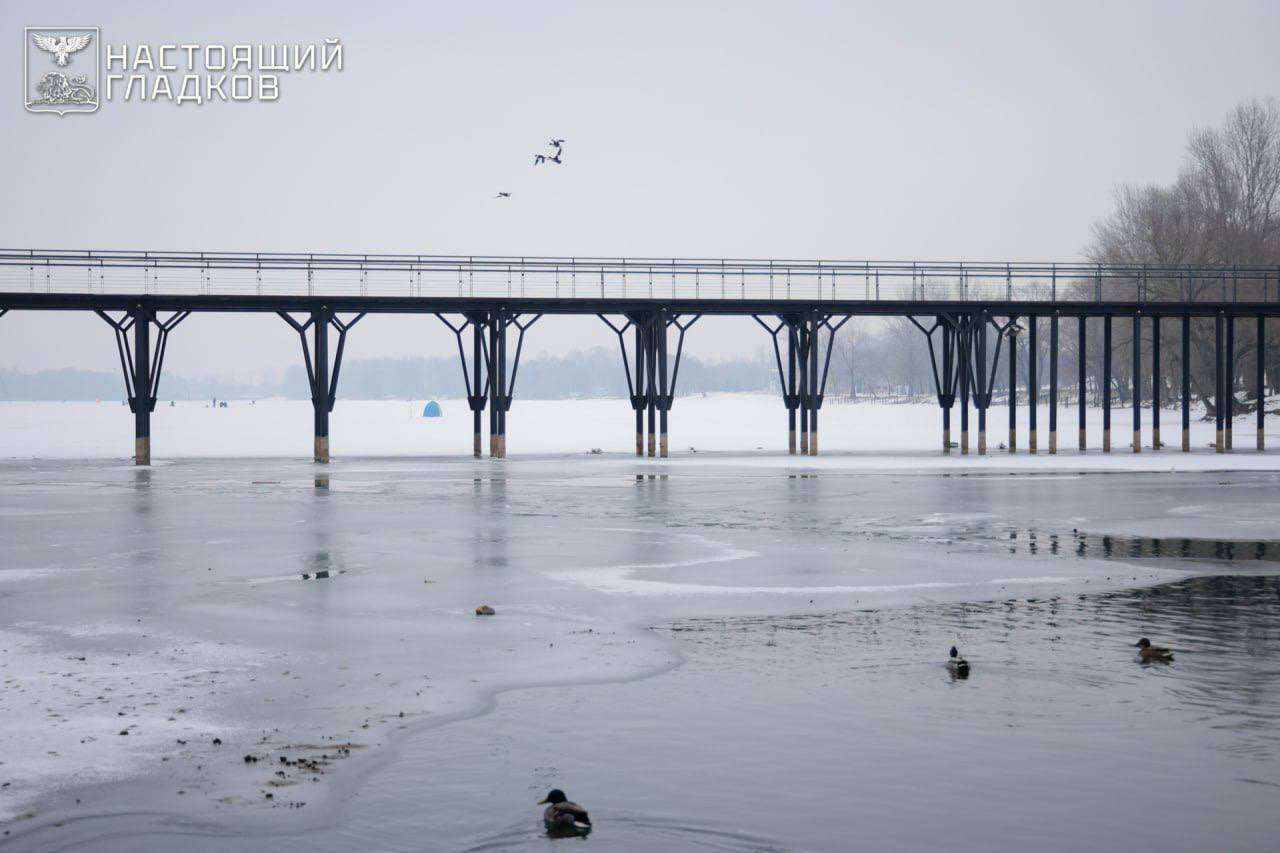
(851, 435)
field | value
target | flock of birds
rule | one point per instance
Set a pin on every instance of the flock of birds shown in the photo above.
(564, 818)
(538, 159)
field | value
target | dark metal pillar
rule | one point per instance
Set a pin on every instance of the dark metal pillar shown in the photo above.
(475, 399)
(1218, 395)
(1106, 384)
(947, 396)
(1033, 383)
(814, 390)
(504, 394)
(1155, 382)
(494, 392)
(1186, 383)
(791, 397)
(142, 383)
(639, 396)
(982, 397)
(802, 376)
(965, 352)
(1082, 383)
(1259, 355)
(320, 343)
(1013, 387)
(1053, 383)
(1229, 381)
(660, 330)
(651, 356)
(1136, 346)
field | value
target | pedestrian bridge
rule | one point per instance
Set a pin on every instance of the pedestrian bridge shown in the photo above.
(966, 312)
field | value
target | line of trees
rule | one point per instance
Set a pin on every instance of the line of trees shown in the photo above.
(1222, 210)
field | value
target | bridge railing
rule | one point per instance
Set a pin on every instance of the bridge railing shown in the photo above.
(280, 274)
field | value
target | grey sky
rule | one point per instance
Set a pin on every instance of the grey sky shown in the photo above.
(826, 130)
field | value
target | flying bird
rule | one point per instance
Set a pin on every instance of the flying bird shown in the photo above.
(503, 195)
(558, 143)
(62, 47)
(539, 159)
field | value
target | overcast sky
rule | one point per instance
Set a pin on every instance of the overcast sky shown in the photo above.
(948, 130)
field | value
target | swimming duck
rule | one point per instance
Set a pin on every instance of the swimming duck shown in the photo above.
(1148, 652)
(562, 817)
(957, 664)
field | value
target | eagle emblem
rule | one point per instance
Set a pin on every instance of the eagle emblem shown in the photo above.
(61, 47)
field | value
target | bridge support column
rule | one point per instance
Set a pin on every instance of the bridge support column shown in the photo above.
(1219, 397)
(965, 333)
(945, 374)
(324, 387)
(1053, 383)
(639, 396)
(142, 407)
(476, 377)
(1136, 346)
(650, 388)
(1186, 383)
(1082, 382)
(1033, 384)
(792, 394)
(142, 366)
(1259, 358)
(664, 397)
(476, 399)
(1106, 384)
(1229, 381)
(981, 399)
(1011, 334)
(1155, 382)
(320, 326)
(815, 390)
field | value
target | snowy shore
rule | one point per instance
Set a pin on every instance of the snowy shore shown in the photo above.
(752, 428)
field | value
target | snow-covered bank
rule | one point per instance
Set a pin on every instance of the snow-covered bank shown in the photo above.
(745, 425)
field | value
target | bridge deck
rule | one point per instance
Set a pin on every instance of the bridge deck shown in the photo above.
(259, 281)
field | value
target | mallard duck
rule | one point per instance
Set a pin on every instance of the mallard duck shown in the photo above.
(958, 665)
(563, 817)
(1148, 652)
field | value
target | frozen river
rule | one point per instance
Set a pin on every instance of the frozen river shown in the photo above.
(720, 653)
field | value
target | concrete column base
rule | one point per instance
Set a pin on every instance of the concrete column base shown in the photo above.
(1220, 442)
(1262, 441)
(964, 443)
(476, 446)
(662, 446)
(946, 441)
(1013, 441)
(804, 444)
(1186, 441)
(1137, 441)
(639, 444)
(1227, 434)
(493, 446)
(321, 449)
(791, 442)
(982, 443)
(1084, 445)
(1106, 441)
(1053, 442)
(653, 445)
(1032, 446)
(142, 451)
(813, 444)
(502, 447)
(1155, 438)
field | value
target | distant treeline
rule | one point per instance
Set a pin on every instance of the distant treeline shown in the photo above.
(590, 373)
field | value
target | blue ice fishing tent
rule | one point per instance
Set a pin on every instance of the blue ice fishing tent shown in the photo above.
(432, 410)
